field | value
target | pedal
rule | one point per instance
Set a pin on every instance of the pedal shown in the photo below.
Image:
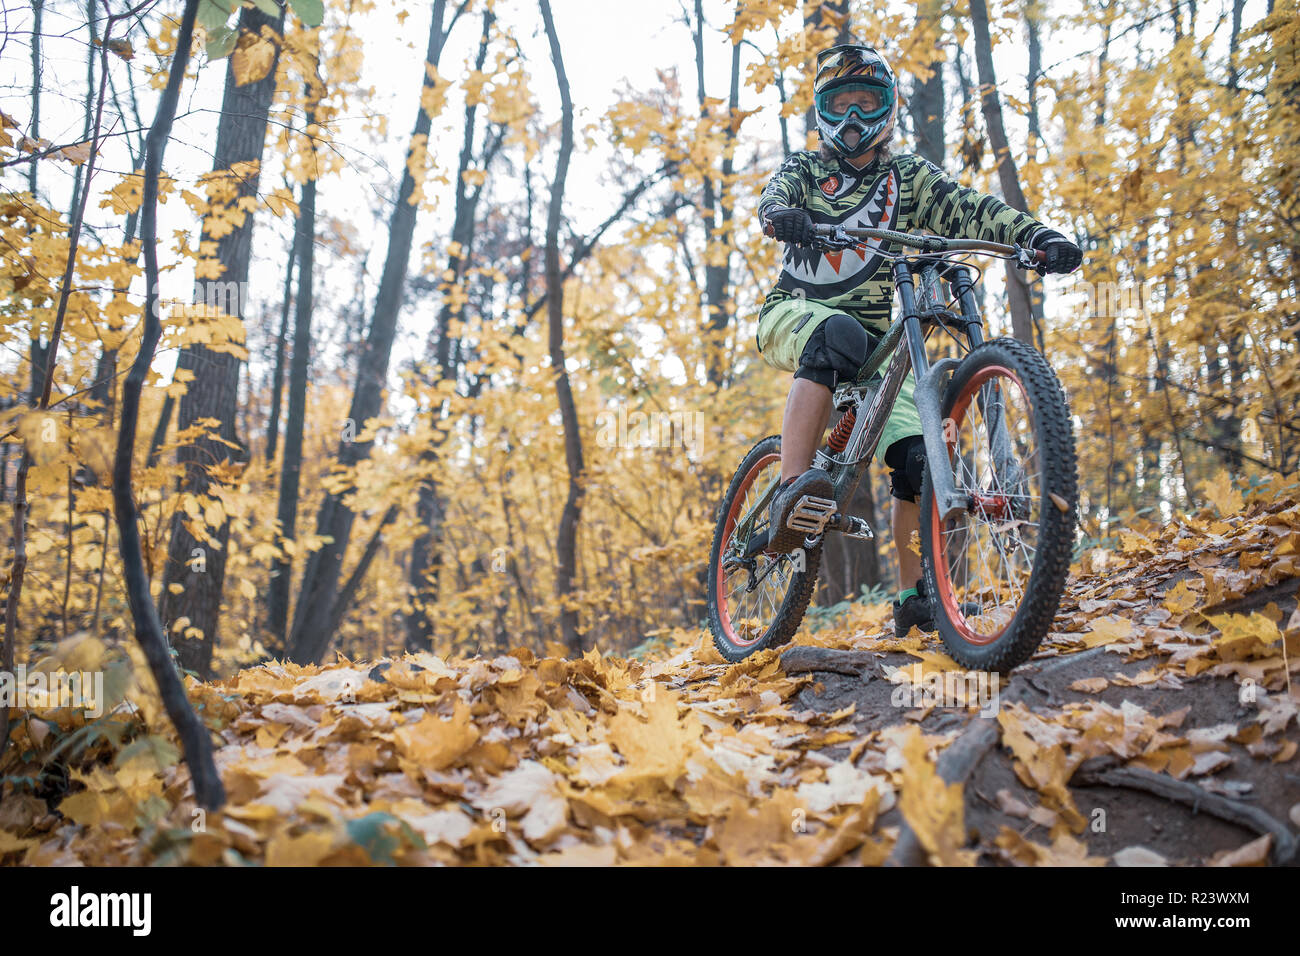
(810, 514)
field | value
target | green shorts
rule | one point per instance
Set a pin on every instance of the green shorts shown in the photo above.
(784, 329)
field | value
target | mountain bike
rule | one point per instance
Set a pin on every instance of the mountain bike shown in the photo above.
(998, 503)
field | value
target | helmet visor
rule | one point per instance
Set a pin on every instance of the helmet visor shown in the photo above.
(869, 101)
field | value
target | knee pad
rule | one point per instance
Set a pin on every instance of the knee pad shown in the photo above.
(834, 352)
(906, 460)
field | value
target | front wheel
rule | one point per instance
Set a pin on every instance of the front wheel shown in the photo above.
(996, 572)
(756, 600)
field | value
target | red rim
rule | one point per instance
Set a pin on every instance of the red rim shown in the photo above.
(941, 572)
(724, 614)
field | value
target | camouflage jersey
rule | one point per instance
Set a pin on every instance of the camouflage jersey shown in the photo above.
(906, 193)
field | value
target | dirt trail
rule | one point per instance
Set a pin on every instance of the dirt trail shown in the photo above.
(1156, 724)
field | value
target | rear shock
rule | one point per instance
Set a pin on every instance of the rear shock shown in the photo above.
(840, 433)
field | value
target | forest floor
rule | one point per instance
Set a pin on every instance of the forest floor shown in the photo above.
(1156, 725)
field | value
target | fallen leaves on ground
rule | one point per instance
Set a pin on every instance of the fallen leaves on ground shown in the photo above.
(682, 760)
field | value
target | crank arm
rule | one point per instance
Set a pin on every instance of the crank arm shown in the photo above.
(851, 526)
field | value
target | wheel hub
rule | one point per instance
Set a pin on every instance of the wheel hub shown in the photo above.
(991, 507)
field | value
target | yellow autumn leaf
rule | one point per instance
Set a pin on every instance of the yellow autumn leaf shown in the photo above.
(1222, 493)
(1244, 637)
(121, 48)
(78, 154)
(251, 59)
(306, 849)
(1107, 630)
(1180, 599)
(280, 200)
(655, 748)
(933, 809)
(433, 96)
(436, 743)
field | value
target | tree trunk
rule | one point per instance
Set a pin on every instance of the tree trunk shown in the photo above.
(38, 10)
(1033, 35)
(208, 791)
(1102, 60)
(567, 539)
(311, 634)
(783, 99)
(462, 230)
(46, 358)
(38, 356)
(277, 376)
(291, 468)
(92, 50)
(831, 19)
(971, 143)
(1234, 76)
(426, 549)
(717, 207)
(927, 98)
(198, 568)
(1017, 283)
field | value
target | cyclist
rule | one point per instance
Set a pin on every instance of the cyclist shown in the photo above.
(822, 319)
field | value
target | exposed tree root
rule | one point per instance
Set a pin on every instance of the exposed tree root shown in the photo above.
(1104, 772)
(803, 660)
(958, 762)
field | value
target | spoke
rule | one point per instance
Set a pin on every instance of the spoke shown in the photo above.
(1013, 578)
(984, 562)
(768, 596)
(1014, 494)
(965, 558)
(995, 564)
(741, 583)
(1029, 561)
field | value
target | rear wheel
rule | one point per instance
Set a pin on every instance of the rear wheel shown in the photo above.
(758, 601)
(1008, 433)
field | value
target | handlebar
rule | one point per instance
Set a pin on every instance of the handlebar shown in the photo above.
(843, 237)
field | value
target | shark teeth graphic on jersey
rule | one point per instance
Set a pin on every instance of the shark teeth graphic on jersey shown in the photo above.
(828, 274)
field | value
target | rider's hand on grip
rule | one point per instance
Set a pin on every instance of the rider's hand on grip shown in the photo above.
(1059, 254)
(791, 225)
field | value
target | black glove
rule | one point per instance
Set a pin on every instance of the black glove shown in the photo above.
(1062, 256)
(792, 225)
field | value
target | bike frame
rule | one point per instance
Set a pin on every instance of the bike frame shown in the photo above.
(930, 379)
(904, 346)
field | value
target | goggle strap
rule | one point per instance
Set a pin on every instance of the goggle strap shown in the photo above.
(843, 48)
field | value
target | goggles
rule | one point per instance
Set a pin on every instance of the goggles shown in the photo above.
(853, 98)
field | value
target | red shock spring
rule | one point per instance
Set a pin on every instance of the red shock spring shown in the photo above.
(840, 433)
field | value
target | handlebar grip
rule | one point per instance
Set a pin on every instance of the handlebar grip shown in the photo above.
(769, 230)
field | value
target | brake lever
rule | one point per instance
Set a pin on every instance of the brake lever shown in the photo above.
(1027, 258)
(838, 239)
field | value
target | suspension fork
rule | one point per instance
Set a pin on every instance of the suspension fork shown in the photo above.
(963, 287)
(928, 396)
